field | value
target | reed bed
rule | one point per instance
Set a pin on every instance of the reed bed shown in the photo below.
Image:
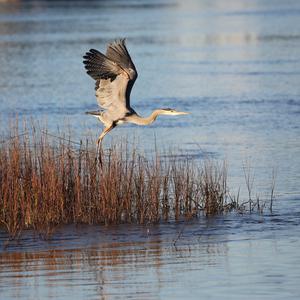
(48, 180)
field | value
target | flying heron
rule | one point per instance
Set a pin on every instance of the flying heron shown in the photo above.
(115, 75)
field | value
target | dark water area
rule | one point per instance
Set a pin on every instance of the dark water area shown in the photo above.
(233, 257)
(235, 65)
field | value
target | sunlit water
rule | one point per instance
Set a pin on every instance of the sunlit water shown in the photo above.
(236, 66)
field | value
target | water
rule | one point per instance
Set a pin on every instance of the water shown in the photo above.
(234, 65)
(233, 257)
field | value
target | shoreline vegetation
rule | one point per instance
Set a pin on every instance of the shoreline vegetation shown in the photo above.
(48, 180)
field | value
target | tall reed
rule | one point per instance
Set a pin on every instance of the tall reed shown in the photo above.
(46, 181)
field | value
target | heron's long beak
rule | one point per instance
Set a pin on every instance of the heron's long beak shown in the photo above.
(182, 113)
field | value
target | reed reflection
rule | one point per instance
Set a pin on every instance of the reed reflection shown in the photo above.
(112, 268)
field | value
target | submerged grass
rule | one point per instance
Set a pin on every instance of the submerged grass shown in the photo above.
(48, 180)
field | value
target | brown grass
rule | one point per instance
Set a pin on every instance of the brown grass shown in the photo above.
(47, 181)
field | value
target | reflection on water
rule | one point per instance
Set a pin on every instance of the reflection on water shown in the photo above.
(232, 255)
(235, 65)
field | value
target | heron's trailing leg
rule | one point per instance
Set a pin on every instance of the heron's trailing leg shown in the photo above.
(99, 141)
(103, 133)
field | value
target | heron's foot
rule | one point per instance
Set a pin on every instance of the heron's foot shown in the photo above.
(99, 151)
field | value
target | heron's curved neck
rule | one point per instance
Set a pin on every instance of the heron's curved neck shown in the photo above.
(136, 119)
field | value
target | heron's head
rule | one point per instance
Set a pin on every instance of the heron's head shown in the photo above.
(172, 112)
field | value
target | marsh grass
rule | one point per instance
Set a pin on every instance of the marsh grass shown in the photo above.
(48, 180)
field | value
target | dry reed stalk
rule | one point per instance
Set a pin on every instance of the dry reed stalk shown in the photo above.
(47, 180)
(273, 184)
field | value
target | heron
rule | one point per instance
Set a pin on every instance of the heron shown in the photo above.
(115, 75)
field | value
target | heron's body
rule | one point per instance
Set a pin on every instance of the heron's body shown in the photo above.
(115, 75)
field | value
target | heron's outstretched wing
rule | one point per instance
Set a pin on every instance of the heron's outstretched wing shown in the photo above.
(117, 52)
(114, 73)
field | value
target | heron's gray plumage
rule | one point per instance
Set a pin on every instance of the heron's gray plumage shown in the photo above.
(117, 52)
(115, 75)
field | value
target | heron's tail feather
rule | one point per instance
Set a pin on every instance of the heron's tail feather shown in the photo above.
(95, 113)
(99, 66)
